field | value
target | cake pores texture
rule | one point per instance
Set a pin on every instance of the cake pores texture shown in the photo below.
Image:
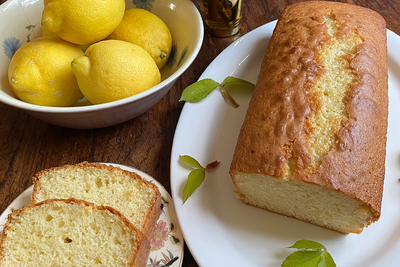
(71, 233)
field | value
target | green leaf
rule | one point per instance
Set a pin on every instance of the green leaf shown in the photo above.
(228, 97)
(201, 89)
(322, 262)
(329, 260)
(237, 81)
(303, 259)
(307, 244)
(310, 254)
(191, 162)
(198, 90)
(230, 83)
(196, 177)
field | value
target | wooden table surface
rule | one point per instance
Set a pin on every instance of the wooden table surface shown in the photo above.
(28, 145)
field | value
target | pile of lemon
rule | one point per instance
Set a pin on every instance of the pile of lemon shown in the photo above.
(125, 51)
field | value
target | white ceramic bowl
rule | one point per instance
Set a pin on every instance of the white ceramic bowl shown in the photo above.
(20, 23)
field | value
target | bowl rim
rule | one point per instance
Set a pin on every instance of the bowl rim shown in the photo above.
(14, 102)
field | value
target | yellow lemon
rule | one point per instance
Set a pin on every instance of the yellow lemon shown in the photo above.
(46, 32)
(40, 72)
(82, 21)
(145, 29)
(111, 70)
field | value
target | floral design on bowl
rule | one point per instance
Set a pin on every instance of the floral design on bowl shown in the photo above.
(143, 4)
(10, 46)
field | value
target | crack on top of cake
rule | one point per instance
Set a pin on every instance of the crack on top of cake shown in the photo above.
(329, 92)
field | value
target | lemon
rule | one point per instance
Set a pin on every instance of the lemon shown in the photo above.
(82, 21)
(145, 29)
(46, 32)
(111, 70)
(40, 72)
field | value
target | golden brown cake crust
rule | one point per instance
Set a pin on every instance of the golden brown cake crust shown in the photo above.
(276, 124)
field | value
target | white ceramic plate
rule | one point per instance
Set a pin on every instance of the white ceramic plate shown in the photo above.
(218, 228)
(164, 249)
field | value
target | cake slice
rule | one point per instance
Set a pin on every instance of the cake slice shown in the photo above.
(313, 142)
(71, 233)
(136, 198)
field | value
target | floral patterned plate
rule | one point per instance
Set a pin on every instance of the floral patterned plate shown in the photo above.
(166, 241)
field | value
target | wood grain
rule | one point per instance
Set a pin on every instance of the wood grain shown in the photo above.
(28, 145)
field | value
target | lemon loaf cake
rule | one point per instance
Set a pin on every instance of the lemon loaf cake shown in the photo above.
(71, 233)
(138, 199)
(313, 142)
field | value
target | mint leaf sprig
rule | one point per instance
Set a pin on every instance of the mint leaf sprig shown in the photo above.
(309, 254)
(201, 89)
(196, 176)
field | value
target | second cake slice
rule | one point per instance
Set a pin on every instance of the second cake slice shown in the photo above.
(136, 198)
